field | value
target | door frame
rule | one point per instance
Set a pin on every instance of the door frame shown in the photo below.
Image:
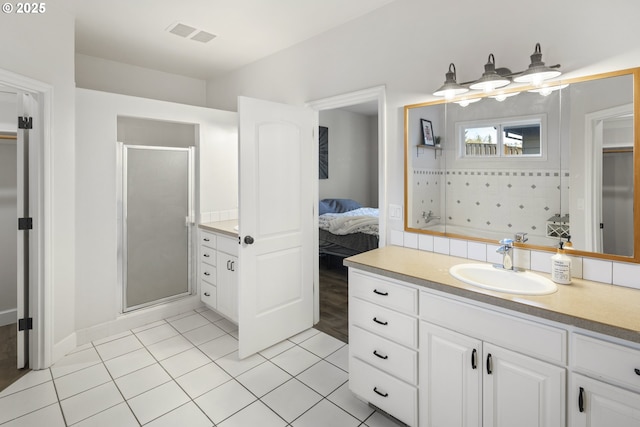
(41, 239)
(593, 162)
(378, 94)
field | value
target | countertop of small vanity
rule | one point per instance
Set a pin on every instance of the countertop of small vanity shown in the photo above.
(598, 307)
(221, 227)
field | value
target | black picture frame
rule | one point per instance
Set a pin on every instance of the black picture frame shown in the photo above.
(323, 155)
(427, 132)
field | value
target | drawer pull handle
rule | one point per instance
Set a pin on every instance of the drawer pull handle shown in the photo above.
(206, 273)
(379, 322)
(637, 371)
(381, 394)
(206, 255)
(384, 294)
(474, 359)
(375, 352)
(207, 294)
(206, 239)
(489, 364)
(581, 400)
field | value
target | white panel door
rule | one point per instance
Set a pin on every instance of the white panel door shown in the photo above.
(278, 169)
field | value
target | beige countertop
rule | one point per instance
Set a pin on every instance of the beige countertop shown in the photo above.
(598, 307)
(221, 227)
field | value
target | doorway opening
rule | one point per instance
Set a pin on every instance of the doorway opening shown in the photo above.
(352, 192)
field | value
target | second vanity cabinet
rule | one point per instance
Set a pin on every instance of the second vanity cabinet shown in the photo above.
(218, 273)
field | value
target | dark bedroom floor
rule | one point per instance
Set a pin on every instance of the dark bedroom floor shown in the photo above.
(8, 344)
(334, 297)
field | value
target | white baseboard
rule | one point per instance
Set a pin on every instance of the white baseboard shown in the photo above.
(8, 317)
(64, 347)
(135, 319)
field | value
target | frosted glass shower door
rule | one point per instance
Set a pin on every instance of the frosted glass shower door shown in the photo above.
(157, 221)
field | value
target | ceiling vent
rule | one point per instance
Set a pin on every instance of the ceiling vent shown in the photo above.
(187, 31)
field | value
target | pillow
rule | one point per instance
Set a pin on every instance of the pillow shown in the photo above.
(338, 205)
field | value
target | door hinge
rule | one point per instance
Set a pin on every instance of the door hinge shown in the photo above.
(24, 324)
(25, 122)
(25, 223)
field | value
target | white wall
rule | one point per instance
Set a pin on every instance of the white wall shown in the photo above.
(351, 165)
(408, 45)
(117, 77)
(96, 225)
(41, 47)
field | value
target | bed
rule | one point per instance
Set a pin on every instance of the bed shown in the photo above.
(346, 228)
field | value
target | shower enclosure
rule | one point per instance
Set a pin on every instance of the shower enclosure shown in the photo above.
(157, 221)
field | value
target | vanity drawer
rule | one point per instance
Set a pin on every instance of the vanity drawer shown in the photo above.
(606, 360)
(525, 336)
(208, 273)
(382, 321)
(208, 239)
(208, 255)
(392, 358)
(228, 245)
(393, 396)
(208, 294)
(380, 291)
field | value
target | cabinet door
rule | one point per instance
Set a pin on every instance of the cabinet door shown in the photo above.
(227, 286)
(521, 391)
(593, 403)
(450, 378)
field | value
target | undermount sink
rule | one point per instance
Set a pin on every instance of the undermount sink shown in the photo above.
(497, 279)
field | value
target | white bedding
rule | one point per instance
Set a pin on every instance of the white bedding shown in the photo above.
(363, 220)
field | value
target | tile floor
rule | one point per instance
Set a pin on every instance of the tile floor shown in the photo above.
(184, 371)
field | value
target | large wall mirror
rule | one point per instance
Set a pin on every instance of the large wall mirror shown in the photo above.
(557, 164)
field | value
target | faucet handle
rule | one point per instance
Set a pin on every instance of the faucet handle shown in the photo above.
(520, 237)
(507, 242)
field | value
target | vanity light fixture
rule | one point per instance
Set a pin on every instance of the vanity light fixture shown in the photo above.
(465, 102)
(502, 96)
(490, 79)
(548, 90)
(450, 89)
(537, 71)
(494, 78)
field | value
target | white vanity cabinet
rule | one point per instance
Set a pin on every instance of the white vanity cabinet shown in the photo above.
(613, 399)
(470, 374)
(383, 341)
(218, 273)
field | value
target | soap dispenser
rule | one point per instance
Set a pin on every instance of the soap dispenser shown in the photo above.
(561, 267)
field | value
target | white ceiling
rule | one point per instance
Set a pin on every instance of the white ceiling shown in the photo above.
(134, 31)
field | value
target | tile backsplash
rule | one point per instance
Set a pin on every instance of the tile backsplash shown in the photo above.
(597, 270)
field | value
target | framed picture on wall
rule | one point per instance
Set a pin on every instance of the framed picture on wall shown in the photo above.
(427, 132)
(323, 155)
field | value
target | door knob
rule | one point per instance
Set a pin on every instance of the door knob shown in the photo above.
(248, 240)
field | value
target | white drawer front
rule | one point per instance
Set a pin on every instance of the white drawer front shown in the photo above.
(527, 337)
(208, 255)
(208, 239)
(382, 321)
(228, 245)
(208, 273)
(606, 360)
(386, 392)
(392, 358)
(380, 291)
(208, 294)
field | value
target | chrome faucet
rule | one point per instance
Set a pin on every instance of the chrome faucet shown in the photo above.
(506, 249)
(429, 216)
